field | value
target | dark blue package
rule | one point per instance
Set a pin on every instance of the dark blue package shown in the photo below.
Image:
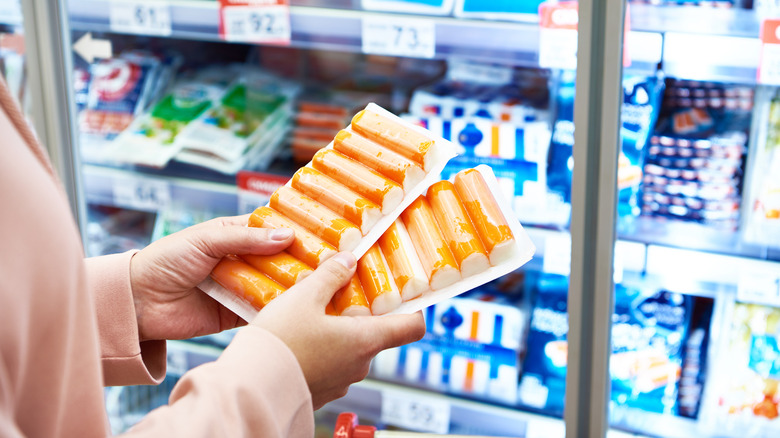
(560, 162)
(641, 102)
(648, 333)
(543, 382)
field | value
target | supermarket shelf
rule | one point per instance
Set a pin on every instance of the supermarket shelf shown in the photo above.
(149, 192)
(733, 22)
(10, 13)
(665, 425)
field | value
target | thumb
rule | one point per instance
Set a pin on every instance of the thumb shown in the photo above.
(396, 330)
(328, 278)
(219, 237)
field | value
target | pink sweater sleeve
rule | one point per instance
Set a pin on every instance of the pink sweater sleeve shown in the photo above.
(255, 389)
(126, 360)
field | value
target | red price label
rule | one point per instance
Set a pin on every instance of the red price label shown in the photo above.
(769, 64)
(258, 21)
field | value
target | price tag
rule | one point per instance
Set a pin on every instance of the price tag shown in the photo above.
(557, 254)
(255, 189)
(769, 63)
(257, 21)
(142, 194)
(558, 35)
(140, 17)
(759, 287)
(415, 412)
(394, 36)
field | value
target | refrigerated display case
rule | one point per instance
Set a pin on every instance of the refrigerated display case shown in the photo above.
(657, 250)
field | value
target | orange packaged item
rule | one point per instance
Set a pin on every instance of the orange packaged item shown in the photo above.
(434, 253)
(390, 164)
(380, 289)
(306, 247)
(316, 218)
(408, 273)
(350, 300)
(492, 227)
(395, 136)
(343, 201)
(281, 267)
(457, 229)
(245, 281)
(359, 178)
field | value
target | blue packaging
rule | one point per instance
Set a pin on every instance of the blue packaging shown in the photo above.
(560, 161)
(498, 9)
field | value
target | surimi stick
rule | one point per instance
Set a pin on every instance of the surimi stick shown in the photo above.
(434, 253)
(379, 287)
(457, 229)
(245, 281)
(350, 300)
(395, 136)
(390, 164)
(330, 310)
(343, 201)
(359, 178)
(316, 218)
(400, 254)
(306, 247)
(485, 214)
(280, 267)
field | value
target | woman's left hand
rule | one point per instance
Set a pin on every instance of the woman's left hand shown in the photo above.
(164, 276)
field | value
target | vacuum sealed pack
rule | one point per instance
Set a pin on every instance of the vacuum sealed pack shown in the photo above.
(454, 238)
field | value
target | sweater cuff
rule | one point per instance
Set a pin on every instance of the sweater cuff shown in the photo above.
(126, 360)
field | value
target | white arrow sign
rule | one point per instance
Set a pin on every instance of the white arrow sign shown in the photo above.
(89, 48)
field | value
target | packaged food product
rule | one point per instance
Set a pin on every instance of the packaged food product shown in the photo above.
(432, 7)
(425, 256)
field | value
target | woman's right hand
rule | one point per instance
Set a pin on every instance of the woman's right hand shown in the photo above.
(333, 351)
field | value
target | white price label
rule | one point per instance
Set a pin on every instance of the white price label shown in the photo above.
(759, 287)
(140, 17)
(415, 412)
(558, 48)
(142, 194)
(269, 23)
(557, 255)
(769, 65)
(399, 37)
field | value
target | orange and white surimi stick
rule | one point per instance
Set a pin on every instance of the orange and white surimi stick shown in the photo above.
(434, 253)
(380, 289)
(395, 136)
(245, 281)
(359, 178)
(306, 247)
(343, 201)
(485, 214)
(350, 300)
(402, 258)
(457, 229)
(280, 267)
(316, 218)
(390, 164)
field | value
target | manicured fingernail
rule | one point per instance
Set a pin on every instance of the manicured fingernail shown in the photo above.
(346, 259)
(280, 234)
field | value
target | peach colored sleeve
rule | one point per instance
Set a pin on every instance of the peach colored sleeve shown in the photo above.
(126, 360)
(255, 388)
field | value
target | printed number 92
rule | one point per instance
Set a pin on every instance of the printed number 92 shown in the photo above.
(262, 23)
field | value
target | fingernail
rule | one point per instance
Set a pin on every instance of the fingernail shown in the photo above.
(280, 234)
(345, 259)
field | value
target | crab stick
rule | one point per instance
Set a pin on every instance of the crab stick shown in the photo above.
(316, 218)
(350, 300)
(306, 247)
(280, 267)
(245, 281)
(380, 289)
(400, 254)
(330, 310)
(457, 229)
(363, 180)
(434, 253)
(398, 168)
(492, 227)
(343, 201)
(395, 136)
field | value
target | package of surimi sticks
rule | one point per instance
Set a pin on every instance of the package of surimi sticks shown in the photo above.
(368, 192)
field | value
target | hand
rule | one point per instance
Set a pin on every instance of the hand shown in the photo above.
(333, 351)
(164, 276)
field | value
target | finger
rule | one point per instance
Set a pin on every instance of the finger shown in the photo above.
(242, 220)
(328, 278)
(396, 330)
(219, 240)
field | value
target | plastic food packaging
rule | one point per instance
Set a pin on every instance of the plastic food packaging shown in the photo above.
(458, 236)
